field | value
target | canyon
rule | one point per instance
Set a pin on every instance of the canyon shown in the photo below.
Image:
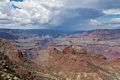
(85, 55)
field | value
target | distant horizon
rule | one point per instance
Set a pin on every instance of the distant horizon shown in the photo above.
(57, 29)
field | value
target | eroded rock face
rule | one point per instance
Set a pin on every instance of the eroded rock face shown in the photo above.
(52, 51)
(13, 65)
(72, 64)
(68, 50)
(8, 48)
(16, 55)
(10, 63)
(7, 69)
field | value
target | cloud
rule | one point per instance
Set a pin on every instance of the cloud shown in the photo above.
(60, 14)
(115, 20)
(47, 12)
(81, 3)
(71, 18)
(94, 22)
(40, 12)
(112, 12)
(3, 16)
(4, 0)
(30, 12)
(113, 23)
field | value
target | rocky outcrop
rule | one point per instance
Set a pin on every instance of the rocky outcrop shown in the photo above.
(13, 65)
(10, 58)
(8, 48)
(16, 55)
(52, 51)
(8, 69)
(72, 64)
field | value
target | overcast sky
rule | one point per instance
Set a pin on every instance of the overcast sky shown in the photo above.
(60, 14)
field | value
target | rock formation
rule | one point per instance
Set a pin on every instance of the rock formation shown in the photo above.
(72, 64)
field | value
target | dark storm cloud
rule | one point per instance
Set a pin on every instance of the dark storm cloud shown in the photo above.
(108, 4)
(71, 18)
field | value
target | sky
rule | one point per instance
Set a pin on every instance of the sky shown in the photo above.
(60, 14)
